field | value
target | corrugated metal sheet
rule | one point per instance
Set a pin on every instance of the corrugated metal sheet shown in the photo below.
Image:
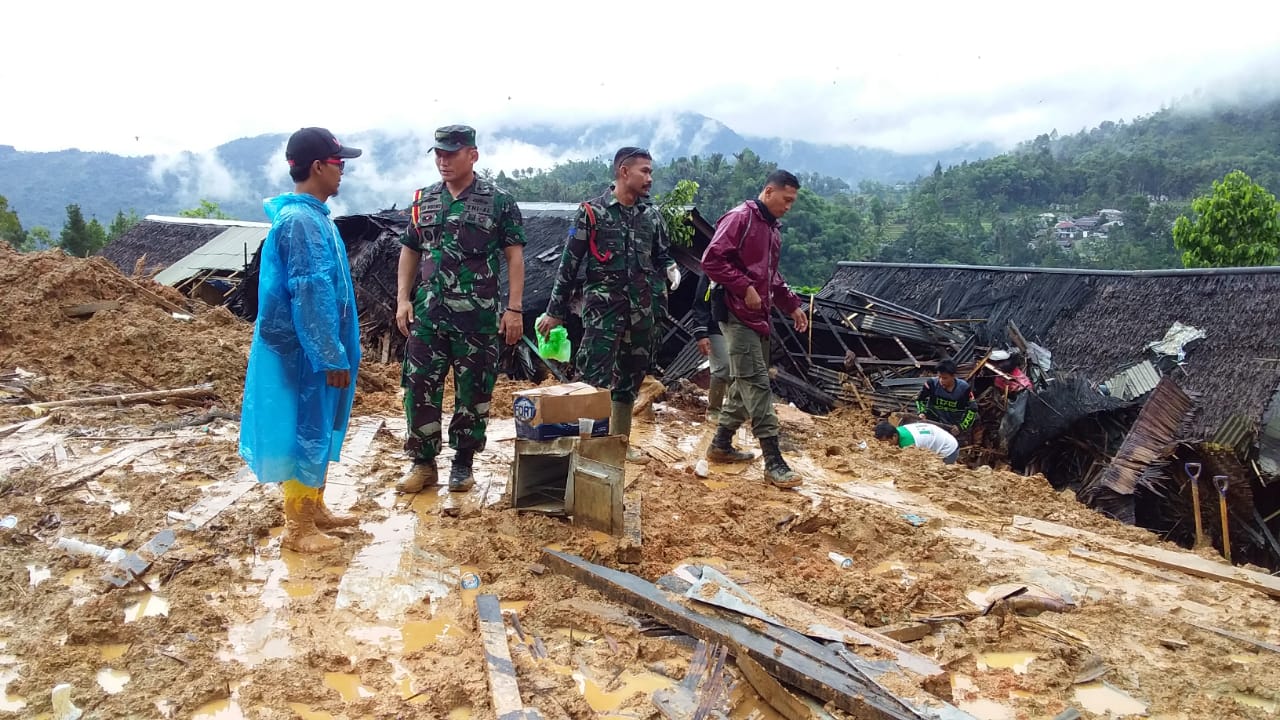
(1148, 443)
(226, 251)
(1134, 382)
(1236, 433)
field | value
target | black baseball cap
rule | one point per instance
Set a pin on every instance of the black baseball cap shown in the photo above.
(315, 143)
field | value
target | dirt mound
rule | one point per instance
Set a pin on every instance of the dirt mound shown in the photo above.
(132, 346)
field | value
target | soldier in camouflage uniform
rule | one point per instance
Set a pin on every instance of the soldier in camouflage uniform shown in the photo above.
(623, 243)
(462, 225)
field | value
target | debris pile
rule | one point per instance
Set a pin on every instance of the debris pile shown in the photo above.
(85, 328)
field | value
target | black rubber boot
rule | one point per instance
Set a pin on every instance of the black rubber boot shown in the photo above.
(723, 451)
(715, 399)
(461, 478)
(776, 470)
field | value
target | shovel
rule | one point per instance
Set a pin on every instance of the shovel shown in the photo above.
(1220, 482)
(1193, 474)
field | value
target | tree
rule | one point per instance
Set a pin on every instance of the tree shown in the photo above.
(11, 227)
(122, 224)
(1235, 226)
(39, 238)
(207, 209)
(79, 238)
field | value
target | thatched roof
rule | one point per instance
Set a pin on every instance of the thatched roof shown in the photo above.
(163, 240)
(1100, 322)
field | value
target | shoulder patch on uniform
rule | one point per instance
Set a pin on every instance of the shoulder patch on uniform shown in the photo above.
(573, 231)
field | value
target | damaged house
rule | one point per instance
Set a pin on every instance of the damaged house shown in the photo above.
(1150, 378)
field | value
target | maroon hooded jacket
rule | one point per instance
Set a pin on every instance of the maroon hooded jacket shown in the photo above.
(744, 253)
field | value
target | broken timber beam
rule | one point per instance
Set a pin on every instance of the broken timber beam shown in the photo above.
(192, 391)
(1181, 561)
(507, 704)
(844, 687)
(87, 309)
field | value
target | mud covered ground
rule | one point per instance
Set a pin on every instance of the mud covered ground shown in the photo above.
(227, 625)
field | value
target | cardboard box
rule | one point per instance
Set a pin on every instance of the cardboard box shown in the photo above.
(550, 412)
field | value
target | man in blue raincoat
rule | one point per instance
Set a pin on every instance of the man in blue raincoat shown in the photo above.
(305, 354)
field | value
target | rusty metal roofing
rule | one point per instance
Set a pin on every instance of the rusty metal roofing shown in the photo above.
(1149, 441)
(1134, 382)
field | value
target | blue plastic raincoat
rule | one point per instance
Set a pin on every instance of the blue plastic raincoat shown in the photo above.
(293, 423)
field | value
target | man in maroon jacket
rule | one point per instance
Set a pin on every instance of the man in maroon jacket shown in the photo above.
(743, 258)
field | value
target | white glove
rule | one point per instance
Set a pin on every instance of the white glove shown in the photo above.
(673, 274)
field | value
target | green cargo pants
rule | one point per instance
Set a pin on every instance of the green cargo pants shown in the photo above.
(749, 396)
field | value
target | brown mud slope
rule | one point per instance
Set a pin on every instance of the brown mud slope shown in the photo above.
(137, 347)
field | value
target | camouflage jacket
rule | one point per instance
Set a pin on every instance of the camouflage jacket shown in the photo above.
(461, 240)
(631, 256)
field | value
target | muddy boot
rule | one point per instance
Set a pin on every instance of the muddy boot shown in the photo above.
(776, 470)
(461, 478)
(423, 475)
(715, 399)
(723, 451)
(620, 424)
(301, 505)
(326, 520)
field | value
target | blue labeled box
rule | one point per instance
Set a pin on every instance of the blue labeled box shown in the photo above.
(545, 413)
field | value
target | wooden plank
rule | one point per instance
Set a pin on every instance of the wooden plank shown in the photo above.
(629, 550)
(1234, 636)
(503, 687)
(821, 623)
(87, 309)
(772, 691)
(1181, 561)
(824, 680)
(597, 495)
(95, 466)
(1120, 562)
(221, 497)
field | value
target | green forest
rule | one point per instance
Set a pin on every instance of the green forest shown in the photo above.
(1104, 198)
(990, 212)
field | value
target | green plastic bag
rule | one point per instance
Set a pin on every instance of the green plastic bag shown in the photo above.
(555, 346)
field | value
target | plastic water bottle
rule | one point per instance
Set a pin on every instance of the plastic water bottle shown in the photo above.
(470, 581)
(841, 560)
(9, 522)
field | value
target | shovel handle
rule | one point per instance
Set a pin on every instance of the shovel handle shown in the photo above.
(1220, 482)
(1193, 470)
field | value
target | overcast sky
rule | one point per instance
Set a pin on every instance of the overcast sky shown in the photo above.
(157, 77)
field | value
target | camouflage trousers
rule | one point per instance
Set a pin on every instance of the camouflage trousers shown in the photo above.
(617, 344)
(431, 351)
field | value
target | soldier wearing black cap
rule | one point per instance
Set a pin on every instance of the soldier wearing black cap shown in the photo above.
(448, 305)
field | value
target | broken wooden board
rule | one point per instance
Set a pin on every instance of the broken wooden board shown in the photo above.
(683, 700)
(98, 464)
(820, 623)
(503, 688)
(87, 309)
(1234, 636)
(1169, 559)
(136, 564)
(1120, 562)
(219, 498)
(632, 544)
(787, 655)
(771, 691)
(344, 481)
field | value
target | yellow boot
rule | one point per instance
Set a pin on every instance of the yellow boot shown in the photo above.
(301, 508)
(326, 520)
